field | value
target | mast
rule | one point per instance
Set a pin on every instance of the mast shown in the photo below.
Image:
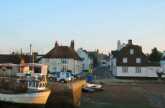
(31, 58)
(30, 49)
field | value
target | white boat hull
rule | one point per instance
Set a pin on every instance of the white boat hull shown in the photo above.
(26, 98)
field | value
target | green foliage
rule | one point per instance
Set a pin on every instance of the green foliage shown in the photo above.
(89, 71)
(94, 57)
(155, 55)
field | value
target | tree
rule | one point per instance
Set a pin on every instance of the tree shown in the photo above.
(94, 57)
(155, 55)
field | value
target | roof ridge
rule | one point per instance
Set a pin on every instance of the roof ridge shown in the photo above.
(62, 52)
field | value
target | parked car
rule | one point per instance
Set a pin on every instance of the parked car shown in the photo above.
(52, 76)
(64, 76)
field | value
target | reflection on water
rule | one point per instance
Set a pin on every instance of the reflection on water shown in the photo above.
(11, 105)
(61, 96)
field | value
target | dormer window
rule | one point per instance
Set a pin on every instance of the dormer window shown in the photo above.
(138, 60)
(125, 60)
(131, 51)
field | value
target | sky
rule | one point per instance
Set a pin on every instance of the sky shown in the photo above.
(93, 24)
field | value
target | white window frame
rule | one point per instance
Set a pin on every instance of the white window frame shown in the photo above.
(138, 60)
(138, 70)
(64, 61)
(125, 69)
(125, 60)
(131, 51)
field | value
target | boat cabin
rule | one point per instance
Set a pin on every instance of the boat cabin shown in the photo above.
(35, 75)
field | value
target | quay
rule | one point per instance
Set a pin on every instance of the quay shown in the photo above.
(65, 95)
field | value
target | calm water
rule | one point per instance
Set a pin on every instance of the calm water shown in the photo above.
(9, 105)
(61, 97)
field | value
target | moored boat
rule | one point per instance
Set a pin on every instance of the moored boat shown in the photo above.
(39, 97)
(28, 84)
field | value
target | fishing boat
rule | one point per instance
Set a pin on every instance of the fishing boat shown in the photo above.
(24, 84)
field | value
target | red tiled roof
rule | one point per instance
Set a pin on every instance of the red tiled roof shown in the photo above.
(62, 52)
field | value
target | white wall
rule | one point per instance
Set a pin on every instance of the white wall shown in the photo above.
(56, 65)
(162, 63)
(113, 67)
(86, 62)
(149, 71)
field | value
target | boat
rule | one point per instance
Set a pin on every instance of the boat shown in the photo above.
(24, 84)
(92, 87)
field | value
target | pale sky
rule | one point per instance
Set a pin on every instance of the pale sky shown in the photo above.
(93, 24)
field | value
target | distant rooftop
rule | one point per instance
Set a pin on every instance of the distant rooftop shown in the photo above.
(14, 58)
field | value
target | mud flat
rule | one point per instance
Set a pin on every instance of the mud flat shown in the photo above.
(126, 95)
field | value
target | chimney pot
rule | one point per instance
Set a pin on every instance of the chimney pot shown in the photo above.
(130, 42)
(72, 44)
(56, 44)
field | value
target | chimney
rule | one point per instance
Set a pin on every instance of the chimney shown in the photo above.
(30, 49)
(72, 44)
(56, 44)
(130, 42)
(118, 45)
(22, 61)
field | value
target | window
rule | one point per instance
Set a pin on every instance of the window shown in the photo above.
(58, 74)
(138, 60)
(67, 75)
(125, 69)
(131, 51)
(125, 60)
(138, 69)
(54, 68)
(64, 61)
(64, 69)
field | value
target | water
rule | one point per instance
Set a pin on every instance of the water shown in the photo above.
(13, 105)
(57, 105)
(61, 96)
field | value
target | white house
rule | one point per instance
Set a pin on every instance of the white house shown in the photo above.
(130, 61)
(162, 63)
(63, 59)
(86, 60)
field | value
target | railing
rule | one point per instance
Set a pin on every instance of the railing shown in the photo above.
(35, 85)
